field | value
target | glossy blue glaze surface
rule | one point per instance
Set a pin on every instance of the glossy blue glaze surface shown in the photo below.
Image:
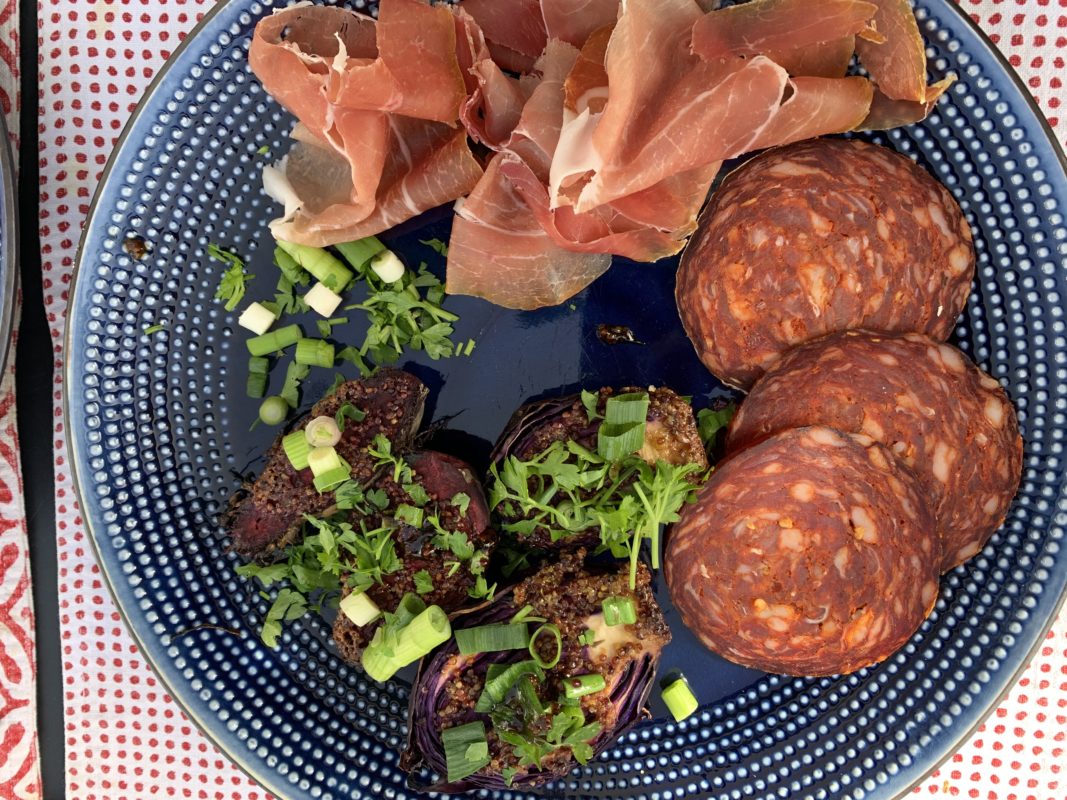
(159, 426)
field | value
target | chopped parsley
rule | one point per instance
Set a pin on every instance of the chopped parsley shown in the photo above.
(462, 501)
(347, 411)
(232, 284)
(568, 489)
(439, 247)
(294, 376)
(423, 582)
(314, 567)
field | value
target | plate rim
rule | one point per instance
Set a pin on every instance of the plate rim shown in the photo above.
(270, 780)
(9, 250)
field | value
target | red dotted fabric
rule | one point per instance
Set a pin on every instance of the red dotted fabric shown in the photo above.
(125, 737)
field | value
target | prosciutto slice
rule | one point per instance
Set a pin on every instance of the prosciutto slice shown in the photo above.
(499, 251)
(782, 30)
(378, 105)
(817, 106)
(886, 113)
(898, 62)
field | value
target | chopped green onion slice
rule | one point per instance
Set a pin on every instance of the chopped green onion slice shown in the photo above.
(258, 365)
(623, 429)
(625, 408)
(332, 478)
(322, 432)
(277, 339)
(616, 441)
(323, 459)
(499, 680)
(461, 743)
(296, 449)
(524, 615)
(548, 629)
(256, 384)
(361, 251)
(679, 698)
(411, 605)
(324, 267)
(148, 331)
(425, 632)
(360, 609)
(581, 685)
(492, 638)
(348, 411)
(314, 353)
(420, 633)
(588, 637)
(528, 693)
(619, 611)
(273, 411)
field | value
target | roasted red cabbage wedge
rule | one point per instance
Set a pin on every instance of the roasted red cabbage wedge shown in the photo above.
(569, 595)
(670, 436)
(444, 571)
(265, 514)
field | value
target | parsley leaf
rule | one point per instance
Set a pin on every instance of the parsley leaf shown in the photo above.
(294, 375)
(287, 606)
(232, 284)
(462, 501)
(436, 245)
(423, 582)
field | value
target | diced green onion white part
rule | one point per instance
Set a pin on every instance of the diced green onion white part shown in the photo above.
(322, 300)
(359, 608)
(296, 449)
(322, 432)
(273, 411)
(322, 460)
(387, 266)
(679, 698)
(274, 341)
(256, 318)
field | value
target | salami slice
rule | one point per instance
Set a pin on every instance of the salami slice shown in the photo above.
(952, 424)
(812, 552)
(816, 237)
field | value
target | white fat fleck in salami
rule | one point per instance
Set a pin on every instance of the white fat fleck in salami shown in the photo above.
(816, 237)
(818, 584)
(949, 422)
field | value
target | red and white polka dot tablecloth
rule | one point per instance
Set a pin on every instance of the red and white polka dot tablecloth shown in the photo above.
(125, 737)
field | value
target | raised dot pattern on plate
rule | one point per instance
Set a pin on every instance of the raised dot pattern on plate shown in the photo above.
(156, 450)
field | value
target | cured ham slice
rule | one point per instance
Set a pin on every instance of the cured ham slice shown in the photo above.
(667, 112)
(499, 251)
(897, 64)
(818, 106)
(515, 30)
(380, 98)
(886, 113)
(782, 30)
(495, 100)
(573, 21)
(428, 164)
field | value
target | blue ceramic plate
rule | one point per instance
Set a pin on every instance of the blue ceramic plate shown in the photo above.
(160, 424)
(9, 227)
